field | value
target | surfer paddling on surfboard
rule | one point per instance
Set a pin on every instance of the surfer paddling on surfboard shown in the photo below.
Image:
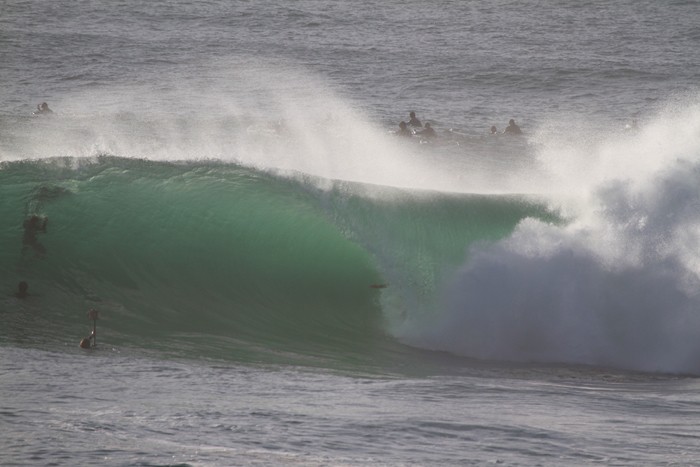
(91, 340)
(43, 109)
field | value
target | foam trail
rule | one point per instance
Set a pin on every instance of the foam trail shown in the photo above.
(618, 286)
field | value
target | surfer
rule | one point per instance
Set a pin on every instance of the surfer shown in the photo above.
(403, 130)
(43, 109)
(32, 226)
(91, 340)
(512, 128)
(87, 342)
(22, 290)
(429, 132)
(494, 130)
(414, 122)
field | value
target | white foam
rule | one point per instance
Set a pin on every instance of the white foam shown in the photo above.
(618, 285)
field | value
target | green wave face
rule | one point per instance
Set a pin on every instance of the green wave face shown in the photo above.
(227, 261)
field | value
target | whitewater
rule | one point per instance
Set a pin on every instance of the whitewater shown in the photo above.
(282, 280)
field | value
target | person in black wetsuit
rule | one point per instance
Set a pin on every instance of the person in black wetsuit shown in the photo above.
(32, 226)
(414, 122)
(87, 342)
(428, 132)
(91, 340)
(43, 109)
(512, 128)
(403, 130)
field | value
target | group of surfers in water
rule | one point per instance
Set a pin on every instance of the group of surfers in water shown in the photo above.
(415, 127)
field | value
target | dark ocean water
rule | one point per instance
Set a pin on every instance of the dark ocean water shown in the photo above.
(282, 280)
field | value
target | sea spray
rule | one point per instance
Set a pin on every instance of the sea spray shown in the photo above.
(276, 117)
